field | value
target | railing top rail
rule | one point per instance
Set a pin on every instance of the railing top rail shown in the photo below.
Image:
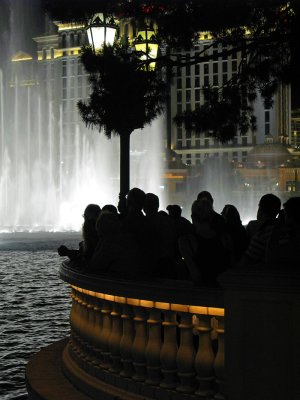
(159, 290)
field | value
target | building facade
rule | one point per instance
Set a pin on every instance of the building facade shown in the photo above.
(187, 94)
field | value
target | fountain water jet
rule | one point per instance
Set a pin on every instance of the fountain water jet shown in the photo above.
(51, 165)
(44, 185)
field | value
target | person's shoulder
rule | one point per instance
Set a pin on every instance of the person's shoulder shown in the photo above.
(184, 221)
(217, 218)
(252, 227)
(251, 223)
(218, 222)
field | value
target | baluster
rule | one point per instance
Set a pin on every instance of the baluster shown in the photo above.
(72, 311)
(219, 361)
(98, 332)
(106, 330)
(90, 328)
(153, 347)
(83, 319)
(139, 344)
(127, 341)
(85, 325)
(115, 338)
(186, 355)
(73, 319)
(204, 361)
(169, 351)
(80, 324)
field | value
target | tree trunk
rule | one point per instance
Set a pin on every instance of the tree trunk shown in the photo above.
(124, 165)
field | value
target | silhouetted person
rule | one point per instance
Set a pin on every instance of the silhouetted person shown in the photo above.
(217, 220)
(165, 235)
(89, 235)
(183, 225)
(111, 208)
(236, 235)
(117, 252)
(268, 209)
(283, 248)
(135, 223)
(204, 252)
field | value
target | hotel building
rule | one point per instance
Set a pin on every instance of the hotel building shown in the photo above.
(187, 94)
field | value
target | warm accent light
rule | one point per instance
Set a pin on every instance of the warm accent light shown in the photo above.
(21, 56)
(68, 26)
(147, 44)
(201, 310)
(171, 176)
(205, 36)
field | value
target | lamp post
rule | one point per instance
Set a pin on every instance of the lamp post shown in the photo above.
(131, 104)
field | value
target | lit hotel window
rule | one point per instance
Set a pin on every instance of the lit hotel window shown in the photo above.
(215, 80)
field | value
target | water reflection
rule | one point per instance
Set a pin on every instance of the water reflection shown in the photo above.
(34, 309)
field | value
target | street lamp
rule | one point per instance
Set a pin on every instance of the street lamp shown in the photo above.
(101, 31)
(131, 97)
(146, 43)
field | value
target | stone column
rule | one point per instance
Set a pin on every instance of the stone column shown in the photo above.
(139, 344)
(219, 361)
(169, 351)
(106, 330)
(127, 341)
(204, 360)
(115, 338)
(186, 355)
(153, 347)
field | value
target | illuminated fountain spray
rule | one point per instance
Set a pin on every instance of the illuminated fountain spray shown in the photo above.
(51, 165)
(44, 185)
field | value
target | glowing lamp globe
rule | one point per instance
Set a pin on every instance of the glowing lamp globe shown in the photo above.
(146, 43)
(101, 31)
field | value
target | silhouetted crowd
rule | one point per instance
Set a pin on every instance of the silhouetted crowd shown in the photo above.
(142, 242)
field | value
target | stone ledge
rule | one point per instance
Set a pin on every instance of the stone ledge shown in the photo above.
(45, 379)
(96, 388)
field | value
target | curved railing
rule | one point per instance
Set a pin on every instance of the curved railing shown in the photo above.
(157, 339)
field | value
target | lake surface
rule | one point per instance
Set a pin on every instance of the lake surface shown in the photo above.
(34, 303)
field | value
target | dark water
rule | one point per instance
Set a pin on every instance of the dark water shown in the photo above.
(34, 311)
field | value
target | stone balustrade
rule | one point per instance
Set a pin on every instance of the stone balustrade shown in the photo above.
(156, 339)
(165, 340)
